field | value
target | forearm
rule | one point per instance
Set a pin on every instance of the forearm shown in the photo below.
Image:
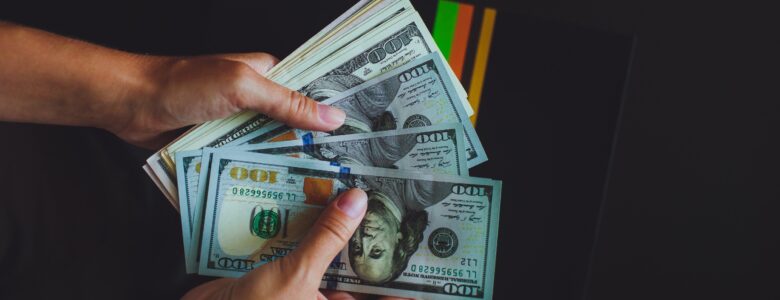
(45, 78)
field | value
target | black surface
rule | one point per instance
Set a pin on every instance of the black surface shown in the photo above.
(547, 120)
(692, 197)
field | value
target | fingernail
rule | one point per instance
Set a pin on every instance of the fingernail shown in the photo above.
(353, 203)
(331, 115)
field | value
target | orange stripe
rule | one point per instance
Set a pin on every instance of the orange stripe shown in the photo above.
(287, 136)
(461, 38)
(481, 59)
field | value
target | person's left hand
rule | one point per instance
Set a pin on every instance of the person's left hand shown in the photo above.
(297, 275)
(143, 99)
(191, 90)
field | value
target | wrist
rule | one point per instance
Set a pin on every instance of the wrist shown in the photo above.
(138, 84)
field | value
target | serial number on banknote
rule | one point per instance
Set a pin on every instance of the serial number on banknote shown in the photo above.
(433, 270)
(262, 193)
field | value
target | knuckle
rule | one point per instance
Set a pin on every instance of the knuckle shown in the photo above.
(267, 58)
(262, 62)
(300, 107)
(238, 72)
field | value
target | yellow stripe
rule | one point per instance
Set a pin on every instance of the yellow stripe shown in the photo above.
(481, 59)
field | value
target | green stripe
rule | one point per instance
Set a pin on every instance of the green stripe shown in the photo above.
(444, 26)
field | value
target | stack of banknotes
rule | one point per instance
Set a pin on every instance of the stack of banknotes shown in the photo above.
(248, 188)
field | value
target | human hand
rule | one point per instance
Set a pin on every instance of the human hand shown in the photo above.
(49, 79)
(298, 275)
(192, 90)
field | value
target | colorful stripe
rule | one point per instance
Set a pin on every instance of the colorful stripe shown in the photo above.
(481, 59)
(451, 30)
(460, 39)
(444, 26)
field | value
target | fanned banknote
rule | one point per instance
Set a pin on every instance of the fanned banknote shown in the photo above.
(434, 149)
(443, 227)
(430, 149)
(416, 94)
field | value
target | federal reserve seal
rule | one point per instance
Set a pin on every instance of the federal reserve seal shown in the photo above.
(443, 242)
(416, 121)
(264, 224)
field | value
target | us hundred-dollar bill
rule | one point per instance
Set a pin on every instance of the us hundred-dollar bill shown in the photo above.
(442, 228)
(432, 149)
(417, 94)
(378, 15)
(409, 41)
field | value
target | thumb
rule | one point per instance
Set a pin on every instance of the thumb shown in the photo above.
(330, 234)
(290, 107)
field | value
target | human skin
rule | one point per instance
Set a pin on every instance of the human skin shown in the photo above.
(49, 79)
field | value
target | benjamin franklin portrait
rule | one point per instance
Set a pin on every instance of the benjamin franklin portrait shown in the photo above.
(393, 227)
(366, 109)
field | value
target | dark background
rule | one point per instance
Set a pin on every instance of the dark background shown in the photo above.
(690, 191)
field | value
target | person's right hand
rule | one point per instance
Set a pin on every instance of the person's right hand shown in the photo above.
(299, 274)
(192, 90)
